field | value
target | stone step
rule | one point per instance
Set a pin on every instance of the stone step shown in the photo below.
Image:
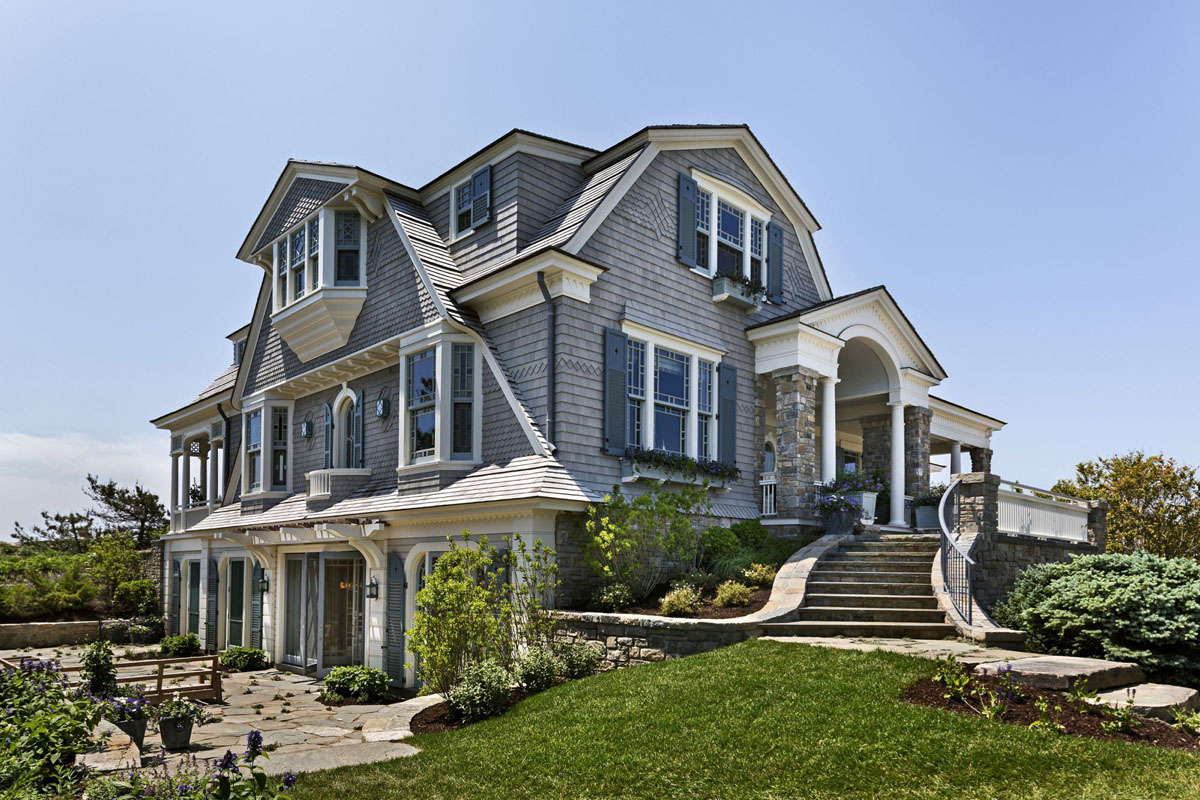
(867, 565)
(851, 614)
(925, 601)
(1060, 672)
(893, 546)
(871, 556)
(1154, 699)
(892, 630)
(868, 576)
(819, 586)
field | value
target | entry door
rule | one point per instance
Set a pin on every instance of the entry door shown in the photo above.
(301, 588)
(193, 622)
(236, 603)
(342, 610)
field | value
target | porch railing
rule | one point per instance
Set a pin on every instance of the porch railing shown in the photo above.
(1038, 512)
(957, 567)
(768, 483)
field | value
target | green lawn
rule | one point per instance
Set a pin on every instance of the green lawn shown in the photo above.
(760, 719)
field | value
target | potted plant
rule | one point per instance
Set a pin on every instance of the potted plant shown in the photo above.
(176, 718)
(115, 630)
(838, 514)
(130, 712)
(860, 488)
(926, 505)
(736, 289)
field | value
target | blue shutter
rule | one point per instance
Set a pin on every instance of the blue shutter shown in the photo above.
(727, 416)
(481, 196)
(328, 436)
(210, 613)
(256, 605)
(358, 431)
(397, 586)
(176, 579)
(686, 234)
(774, 262)
(616, 345)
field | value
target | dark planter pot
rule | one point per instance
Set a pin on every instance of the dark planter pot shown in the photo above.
(115, 635)
(176, 734)
(927, 517)
(135, 729)
(841, 522)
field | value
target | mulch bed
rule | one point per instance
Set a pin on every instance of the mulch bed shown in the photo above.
(710, 610)
(928, 692)
(390, 697)
(436, 719)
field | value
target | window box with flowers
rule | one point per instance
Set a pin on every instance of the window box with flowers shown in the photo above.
(738, 291)
(664, 467)
(838, 514)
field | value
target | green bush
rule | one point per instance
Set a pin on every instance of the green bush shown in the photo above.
(751, 533)
(579, 659)
(137, 598)
(364, 684)
(732, 593)
(1139, 607)
(537, 668)
(680, 602)
(98, 676)
(773, 553)
(241, 659)
(481, 691)
(760, 575)
(187, 644)
(613, 597)
(18, 601)
(718, 543)
(697, 579)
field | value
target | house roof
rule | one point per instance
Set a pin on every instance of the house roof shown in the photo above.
(222, 384)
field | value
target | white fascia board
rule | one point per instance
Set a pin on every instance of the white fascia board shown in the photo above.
(791, 343)
(261, 308)
(199, 412)
(516, 288)
(957, 424)
(516, 143)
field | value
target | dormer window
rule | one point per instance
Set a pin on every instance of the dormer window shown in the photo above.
(297, 262)
(348, 248)
(471, 203)
(733, 234)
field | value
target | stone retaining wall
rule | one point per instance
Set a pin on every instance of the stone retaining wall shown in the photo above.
(1001, 557)
(47, 634)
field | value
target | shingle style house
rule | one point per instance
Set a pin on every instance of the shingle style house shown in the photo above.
(500, 347)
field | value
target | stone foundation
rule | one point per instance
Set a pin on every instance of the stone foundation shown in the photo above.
(1002, 557)
(796, 456)
(47, 634)
(624, 643)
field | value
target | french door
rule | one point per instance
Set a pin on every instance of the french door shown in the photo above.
(235, 603)
(324, 607)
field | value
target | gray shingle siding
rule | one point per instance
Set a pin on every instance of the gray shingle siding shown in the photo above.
(503, 437)
(521, 341)
(303, 197)
(494, 240)
(542, 185)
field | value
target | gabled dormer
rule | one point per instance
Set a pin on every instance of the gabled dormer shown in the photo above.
(311, 238)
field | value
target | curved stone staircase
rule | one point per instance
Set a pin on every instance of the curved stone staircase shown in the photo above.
(871, 586)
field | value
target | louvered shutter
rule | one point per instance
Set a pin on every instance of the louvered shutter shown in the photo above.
(616, 345)
(727, 415)
(481, 196)
(397, 586)
(210, 613)
(328, 436)
(256, 603)
(686, 251)
(774, 262)
(358, 431)
(176, 579)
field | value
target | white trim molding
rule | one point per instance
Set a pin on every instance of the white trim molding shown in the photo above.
(516, 289)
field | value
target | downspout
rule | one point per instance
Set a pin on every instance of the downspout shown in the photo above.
(551, 324)
(225, 467)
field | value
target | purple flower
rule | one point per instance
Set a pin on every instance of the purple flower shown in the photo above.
(254, 743)
(289, 779)
(227, 762)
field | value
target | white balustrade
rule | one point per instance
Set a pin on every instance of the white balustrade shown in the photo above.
(1039, 512)
(320, 483)
(768, 483)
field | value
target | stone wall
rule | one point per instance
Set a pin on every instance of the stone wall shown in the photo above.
(578, 579)
(916, 450)
(796, 442)
(877, 448)
(624, 642)
(47, 634)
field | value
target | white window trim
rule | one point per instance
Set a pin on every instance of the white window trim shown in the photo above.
(696, 352)
(455, 233)
(443, 441)
(326, 259)
(265, 406)
(750, 208)
(338, 454)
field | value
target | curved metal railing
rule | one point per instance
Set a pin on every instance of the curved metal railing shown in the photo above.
(957, 566)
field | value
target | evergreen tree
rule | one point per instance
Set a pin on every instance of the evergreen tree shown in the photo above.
(135, 511)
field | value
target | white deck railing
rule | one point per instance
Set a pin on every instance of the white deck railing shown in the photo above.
(768, 482)
(320, 483)
(1039, 512)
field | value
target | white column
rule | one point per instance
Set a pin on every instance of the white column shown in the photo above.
(828, 429)
(187, 478)
(897, 487)
(213, 473)
(204, 474)
(955, 458)
(174, 487)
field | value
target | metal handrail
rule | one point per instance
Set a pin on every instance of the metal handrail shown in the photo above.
(957, 566)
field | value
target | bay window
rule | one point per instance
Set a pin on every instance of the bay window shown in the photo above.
(441, 383)
(299, 255)
(462, 358)
(348, 247)
(279, 449)
(422, 405)
(266, 447)
(254, 450)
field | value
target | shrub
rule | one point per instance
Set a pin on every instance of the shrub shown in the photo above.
(361, 683)
(1140, 607)
(60, 594)
(187, 644)
(697, 579)
(773, 553)
(612, 597)
(732, 593)
(481, 691)
(760, 574)
(579, 659)
(751, 533)
(138, 598)
(111, 561)
(98, 676)
(680, 602)
(241, 659)
(718, 543)
(537, 668)
(18, 601)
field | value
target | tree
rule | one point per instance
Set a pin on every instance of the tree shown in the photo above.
(134, 511)
(112, 560)
(1154, 503)
(71, 532)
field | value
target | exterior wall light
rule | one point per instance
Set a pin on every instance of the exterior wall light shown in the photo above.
(383, 406)
(373, 589)
(306, 429)
(264, 584)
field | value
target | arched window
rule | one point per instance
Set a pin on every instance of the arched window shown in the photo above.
(344, 431)
(768, 457)
(344, 428)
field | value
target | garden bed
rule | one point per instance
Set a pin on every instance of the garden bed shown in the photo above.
(386, 699)
(441, 717)
(709, 610)
(1022, 711)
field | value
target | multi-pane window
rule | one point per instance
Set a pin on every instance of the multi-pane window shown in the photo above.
(704, 410)
(462, 391)
(254, 449)
(730, 239)
(281, 260)
(347, 247)
(314, 250)
(757, 237)
(297, 262)
(671, 383)
(703, 214)
(462, 206)
(422, 404)
(279, 448)
(635, 383)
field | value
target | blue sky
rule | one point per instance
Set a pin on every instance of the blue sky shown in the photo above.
(1022, 176)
